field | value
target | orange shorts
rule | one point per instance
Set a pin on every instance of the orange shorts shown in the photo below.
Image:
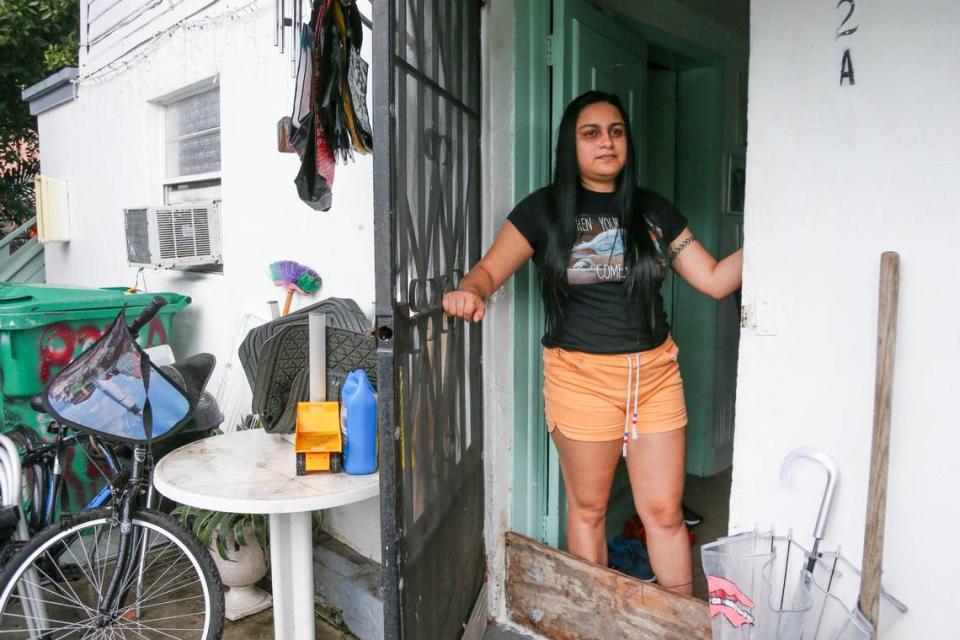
(600, 397)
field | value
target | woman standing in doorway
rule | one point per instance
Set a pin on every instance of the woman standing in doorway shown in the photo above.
(612, 384)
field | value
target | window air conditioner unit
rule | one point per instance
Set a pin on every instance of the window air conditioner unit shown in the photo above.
(176, 236)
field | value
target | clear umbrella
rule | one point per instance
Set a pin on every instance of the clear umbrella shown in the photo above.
(759, 587)
(764, 586)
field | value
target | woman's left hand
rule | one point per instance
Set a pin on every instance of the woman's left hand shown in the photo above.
(702, 271)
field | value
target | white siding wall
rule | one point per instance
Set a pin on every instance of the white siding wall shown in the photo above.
(836, 175)
(109, 145)
(106, 18)
(111, 28)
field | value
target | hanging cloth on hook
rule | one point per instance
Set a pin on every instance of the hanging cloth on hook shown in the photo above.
(354, 79)
(325, 161)
(341, 100)
(357, 82)
(312, 186)
(315, 178)
(302, 110)
(330, 105)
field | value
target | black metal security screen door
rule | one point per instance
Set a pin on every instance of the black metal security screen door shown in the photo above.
(426, 76)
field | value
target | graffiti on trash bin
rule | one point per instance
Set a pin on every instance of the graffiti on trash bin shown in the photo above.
(60, 342)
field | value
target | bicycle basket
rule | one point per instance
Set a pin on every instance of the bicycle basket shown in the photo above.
(113, 391)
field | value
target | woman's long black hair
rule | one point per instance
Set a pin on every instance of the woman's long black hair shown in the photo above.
(640, 253)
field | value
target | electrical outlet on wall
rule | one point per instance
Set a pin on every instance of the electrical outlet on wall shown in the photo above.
(760, 315)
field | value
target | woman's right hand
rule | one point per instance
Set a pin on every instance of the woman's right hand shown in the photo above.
(464, 304)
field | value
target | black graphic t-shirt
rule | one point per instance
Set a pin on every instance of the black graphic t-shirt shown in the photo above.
(597, 315)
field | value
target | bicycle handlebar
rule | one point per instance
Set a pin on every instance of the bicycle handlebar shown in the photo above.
(147, 314)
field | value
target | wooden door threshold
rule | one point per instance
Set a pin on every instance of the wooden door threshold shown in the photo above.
(565, 598)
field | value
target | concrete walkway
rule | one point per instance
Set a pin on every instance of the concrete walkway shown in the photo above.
(260, 627)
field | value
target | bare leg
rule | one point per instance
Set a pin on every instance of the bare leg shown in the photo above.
(656, 466)
(588, 469)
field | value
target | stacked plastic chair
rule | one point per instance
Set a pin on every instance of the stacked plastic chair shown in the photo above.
(275, 356)
(10, 477)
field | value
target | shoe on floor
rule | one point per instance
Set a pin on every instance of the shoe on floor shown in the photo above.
(630, 557)
(691, 517)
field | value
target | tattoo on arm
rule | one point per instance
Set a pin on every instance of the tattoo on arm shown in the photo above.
(680, 247)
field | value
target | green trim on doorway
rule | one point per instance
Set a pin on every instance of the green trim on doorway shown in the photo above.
(698, 196)
(531, 171)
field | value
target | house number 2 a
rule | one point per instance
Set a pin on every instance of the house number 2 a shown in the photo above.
(844, 31)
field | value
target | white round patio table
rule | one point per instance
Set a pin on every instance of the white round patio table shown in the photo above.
(253, 471)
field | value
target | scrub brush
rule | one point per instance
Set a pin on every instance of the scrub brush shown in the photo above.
(295, 278)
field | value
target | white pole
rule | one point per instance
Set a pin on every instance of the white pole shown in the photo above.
(317, 328)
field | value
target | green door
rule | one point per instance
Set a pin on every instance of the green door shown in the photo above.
(658, 149)
(590, 50)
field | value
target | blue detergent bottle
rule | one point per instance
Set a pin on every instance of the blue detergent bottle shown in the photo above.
(358, 424)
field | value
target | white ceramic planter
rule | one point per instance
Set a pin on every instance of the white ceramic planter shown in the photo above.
(245, 566)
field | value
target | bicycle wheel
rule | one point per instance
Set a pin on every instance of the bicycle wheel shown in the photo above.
(52, 587)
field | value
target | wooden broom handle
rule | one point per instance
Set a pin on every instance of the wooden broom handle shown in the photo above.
(880, 452)
(286, 303)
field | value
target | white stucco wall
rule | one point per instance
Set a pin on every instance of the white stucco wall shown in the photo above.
(836, 175)
(109, 145)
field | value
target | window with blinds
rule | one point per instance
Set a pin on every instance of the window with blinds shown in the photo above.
(193, 148)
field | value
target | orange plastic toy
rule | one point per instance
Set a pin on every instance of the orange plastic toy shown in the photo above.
(317, 442)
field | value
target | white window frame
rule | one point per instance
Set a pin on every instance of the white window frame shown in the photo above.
(166, 101)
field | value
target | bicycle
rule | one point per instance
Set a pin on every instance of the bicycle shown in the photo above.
(43, 465)
(40, 486)
(119, 567)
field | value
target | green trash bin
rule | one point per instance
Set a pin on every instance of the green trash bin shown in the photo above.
(43, 328)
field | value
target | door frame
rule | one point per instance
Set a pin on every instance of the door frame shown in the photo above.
(530, 514)
(383, 206)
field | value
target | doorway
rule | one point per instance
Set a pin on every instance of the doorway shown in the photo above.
(683, 98)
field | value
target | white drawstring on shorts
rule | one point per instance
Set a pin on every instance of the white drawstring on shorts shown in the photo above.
(633, 389)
